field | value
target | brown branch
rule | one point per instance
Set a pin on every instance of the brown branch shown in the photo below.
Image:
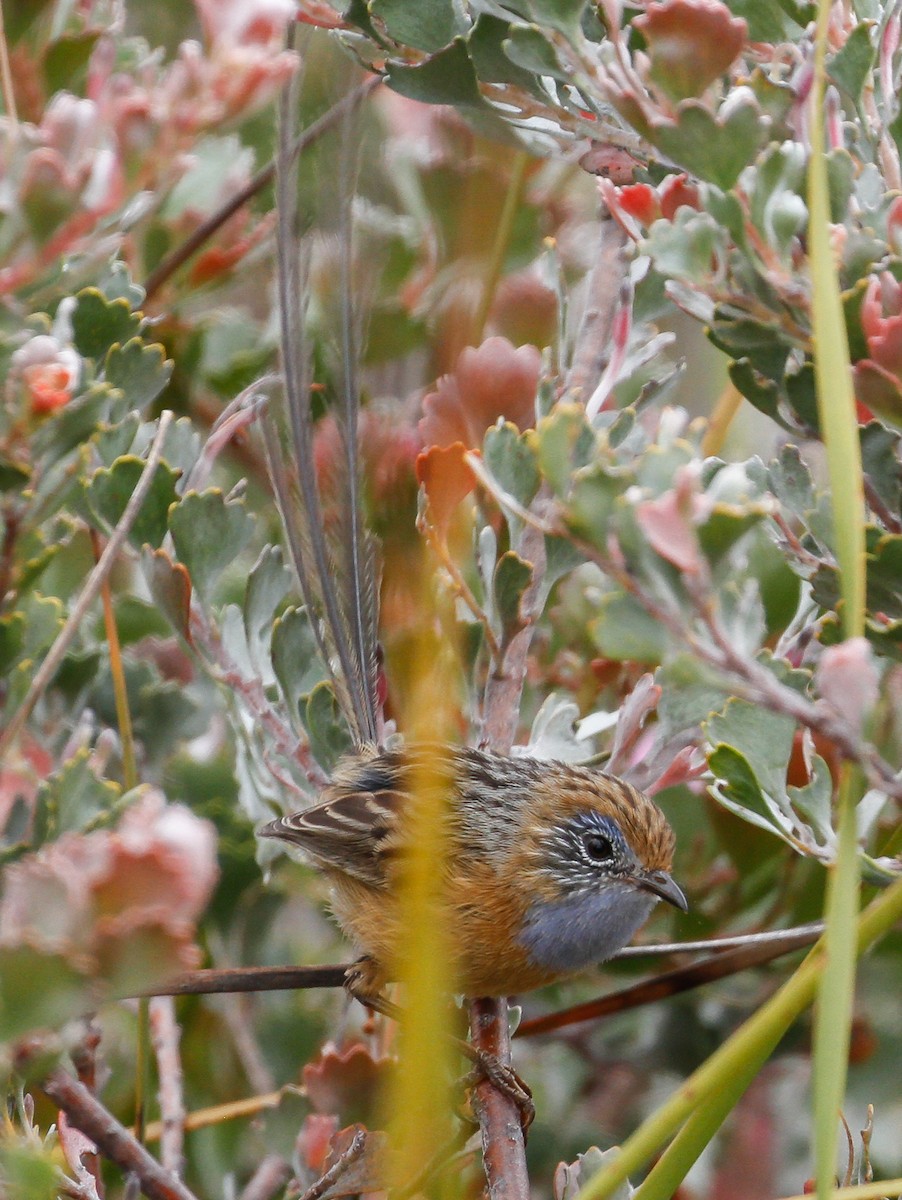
(338, 1168)
(112, 1139)
(877, 506)
(271, 1175)
(84, 1059)
(671, 983)
(165, 269)
(251, 979)
(593, 341)
(503, 1150)
(238, 1014)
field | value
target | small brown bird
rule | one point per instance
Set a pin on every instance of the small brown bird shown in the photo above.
(547, 867)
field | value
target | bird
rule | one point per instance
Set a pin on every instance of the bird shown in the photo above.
(547, 867)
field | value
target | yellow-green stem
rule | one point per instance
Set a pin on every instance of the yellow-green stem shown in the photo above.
(833, 1012)
(839, 428)
(728, 404)
(832, 370)
(419, 1107)
(117, 673)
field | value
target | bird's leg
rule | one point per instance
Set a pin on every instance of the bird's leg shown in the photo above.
(363, 982)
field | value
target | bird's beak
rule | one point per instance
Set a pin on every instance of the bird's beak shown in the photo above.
(664, 887)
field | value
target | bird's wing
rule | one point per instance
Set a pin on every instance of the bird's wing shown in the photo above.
(355, 832)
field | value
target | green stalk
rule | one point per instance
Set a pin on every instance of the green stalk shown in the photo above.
(418, 1101)
(832, 369)
(839, 428)
(833, 1012)
(677, 1160)
(117, 673)
(716, 1085)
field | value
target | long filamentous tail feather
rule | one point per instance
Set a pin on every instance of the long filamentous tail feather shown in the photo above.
(336, 571)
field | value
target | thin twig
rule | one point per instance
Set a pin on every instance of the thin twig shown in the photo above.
(769, 692)
(112, 1139)
(703, 946)
(217, 1114)
(84, 1059)
(252, 979)
(58, 650)
(505, 500)
(338, 1168)
(142, 1066)
(164, 1036)
(670, 983)
(439, 547)
(850, 1151)
(117, 675)
(206, 636)
(271, 1175)
(180, 255)
(884, 512)
(238, 1015)
(593, 341)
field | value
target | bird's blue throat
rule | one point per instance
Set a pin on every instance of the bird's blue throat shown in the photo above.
(568, 934)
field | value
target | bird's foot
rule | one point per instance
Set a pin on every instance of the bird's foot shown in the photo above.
(503, 1077)
(364, 981)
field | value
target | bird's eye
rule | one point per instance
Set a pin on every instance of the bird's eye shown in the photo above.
(598, 847)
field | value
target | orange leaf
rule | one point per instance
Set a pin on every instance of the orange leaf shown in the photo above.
(447, 479)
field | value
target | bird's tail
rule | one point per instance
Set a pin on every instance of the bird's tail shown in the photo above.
(335, 560)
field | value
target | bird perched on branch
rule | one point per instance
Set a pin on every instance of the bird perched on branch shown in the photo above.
(546, 867)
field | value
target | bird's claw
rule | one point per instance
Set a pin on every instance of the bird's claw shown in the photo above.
(503, 1077)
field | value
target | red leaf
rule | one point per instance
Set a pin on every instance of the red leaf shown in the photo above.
(495, 379)
(690, 43)
(446, 478)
